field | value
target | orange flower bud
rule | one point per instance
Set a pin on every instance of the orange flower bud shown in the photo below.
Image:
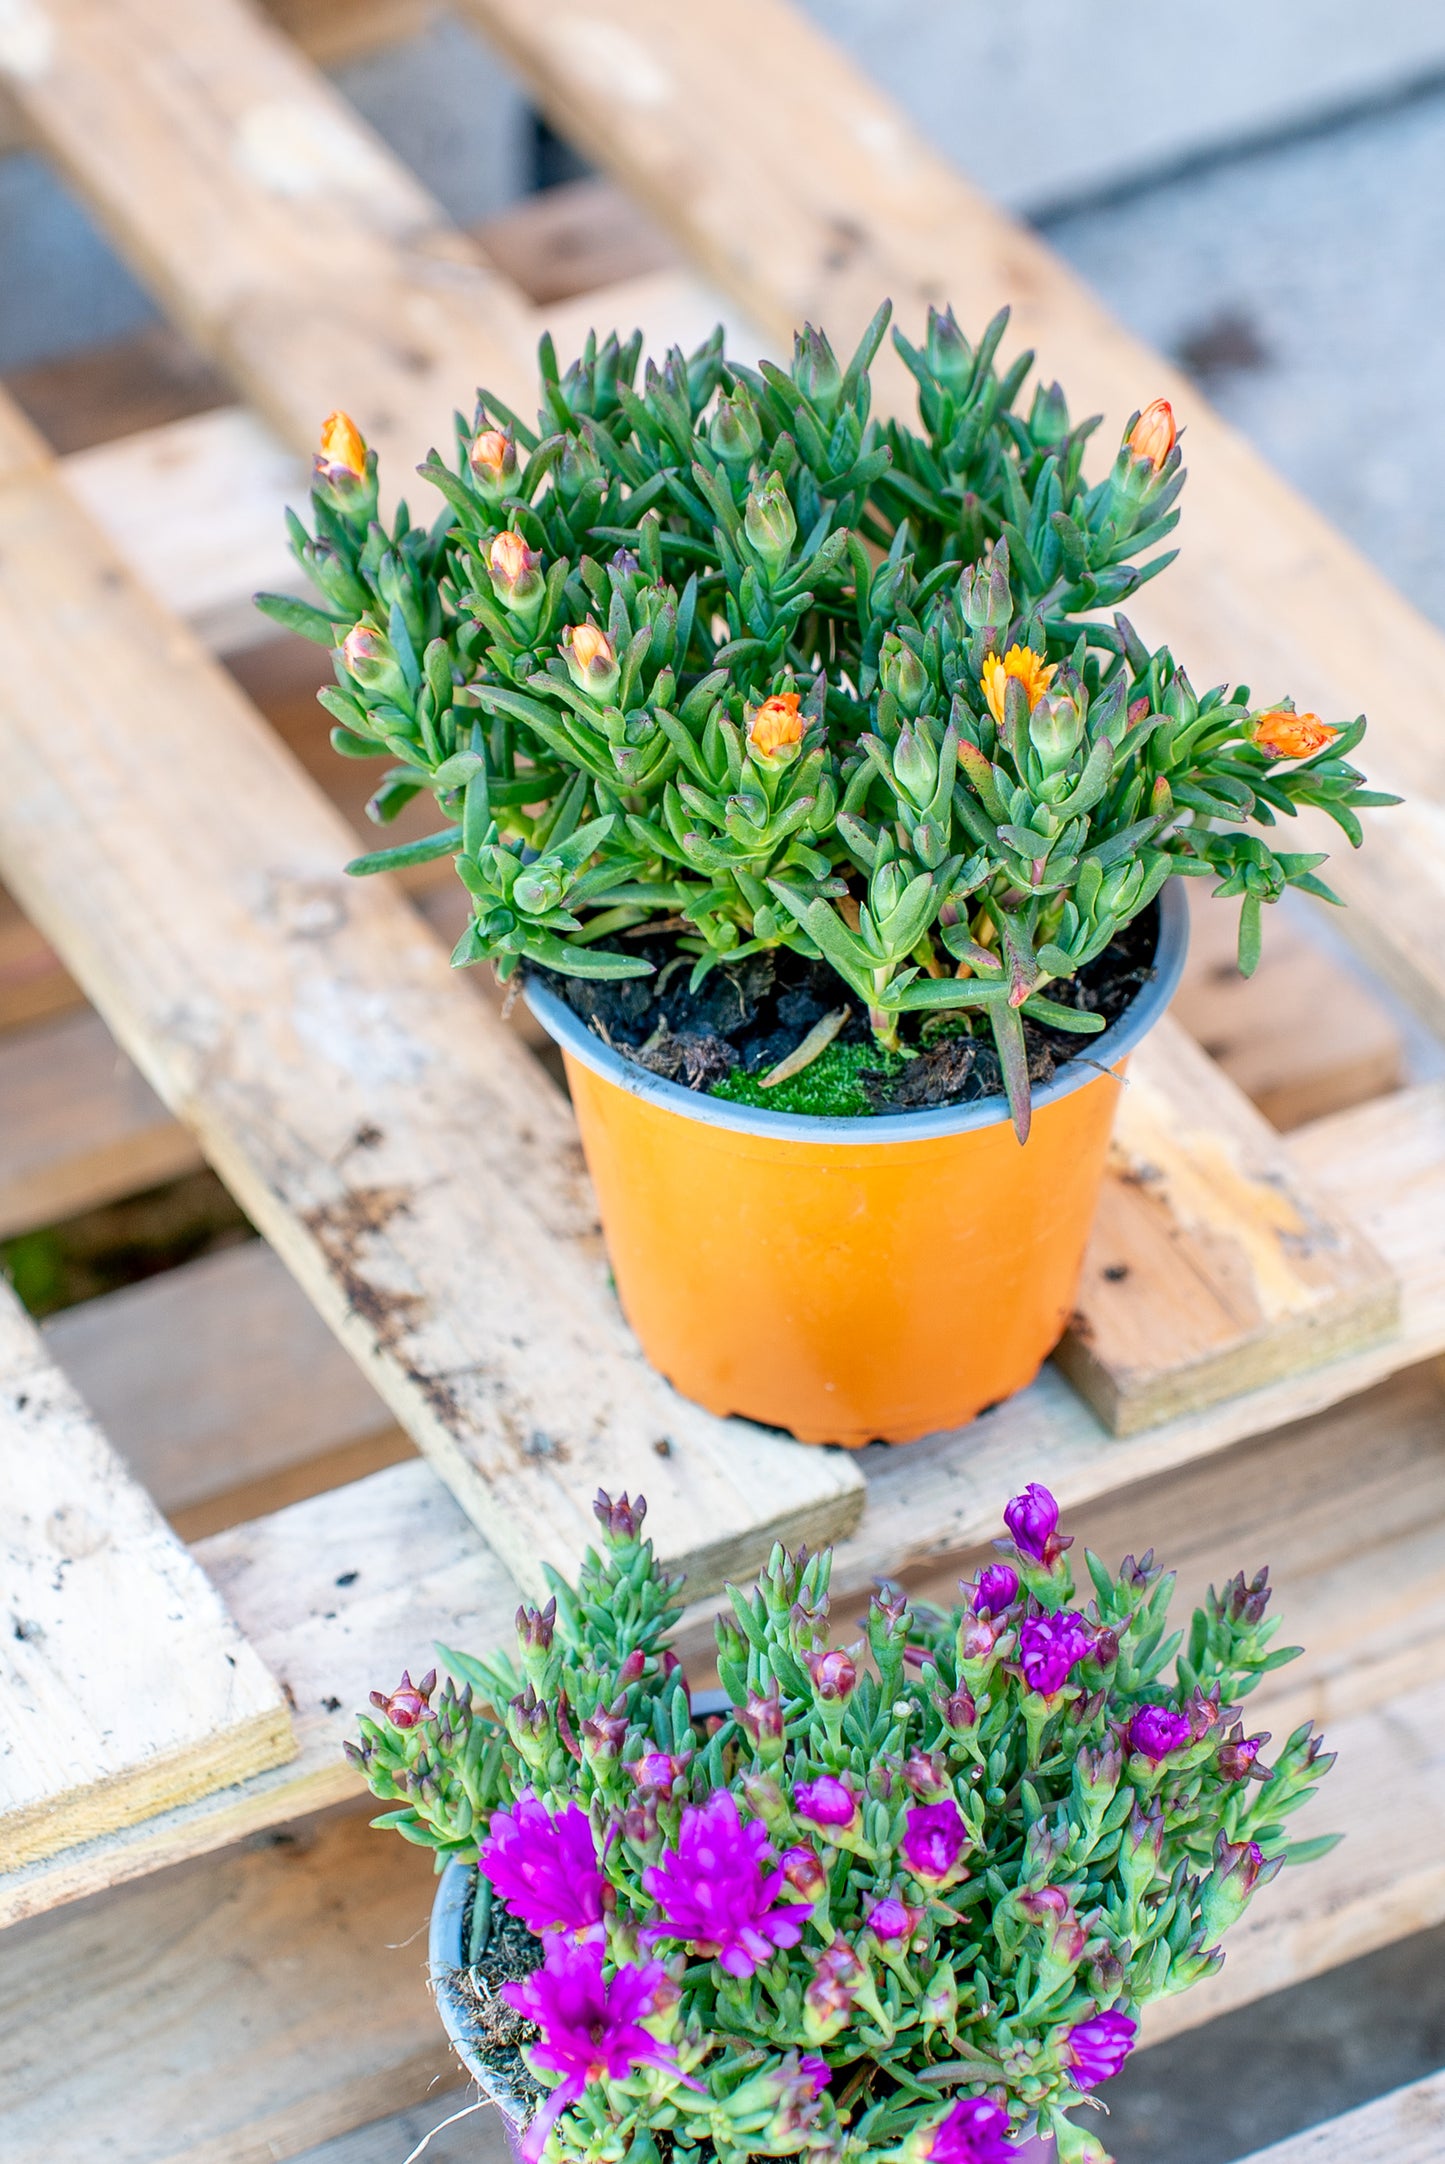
(360, 646)
(1284, 735)
(591, 660)
(1153, 435)
(493, 459)
(342, 444)
(776, 725)
(1032, 671)
(515, 570)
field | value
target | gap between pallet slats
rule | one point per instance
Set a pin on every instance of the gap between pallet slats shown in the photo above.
(1406, 2127)
(125, 1687)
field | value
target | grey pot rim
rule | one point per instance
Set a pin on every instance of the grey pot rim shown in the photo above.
(1103, 1053)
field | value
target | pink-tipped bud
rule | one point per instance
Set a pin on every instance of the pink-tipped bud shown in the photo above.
(408, 1703)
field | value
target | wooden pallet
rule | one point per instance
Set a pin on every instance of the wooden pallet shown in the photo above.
(430, 1279)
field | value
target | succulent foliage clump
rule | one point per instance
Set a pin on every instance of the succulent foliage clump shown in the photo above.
(722, 652)
(899, 1901)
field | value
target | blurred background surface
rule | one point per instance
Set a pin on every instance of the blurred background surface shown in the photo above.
(1257, 190)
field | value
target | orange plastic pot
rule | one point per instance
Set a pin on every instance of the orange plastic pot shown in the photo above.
(850, 1280)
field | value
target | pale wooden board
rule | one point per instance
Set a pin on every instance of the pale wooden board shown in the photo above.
(251, 1380)
(233, 2012)
(125, 1687)
(423, 1575)
(1214, 1264)
(78, 1125)
(1406, 2127)
(675, 104)
(275, 226)
(402, 1152)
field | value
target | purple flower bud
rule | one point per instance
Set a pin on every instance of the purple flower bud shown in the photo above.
(804, 1873)
(1094, 2050)
(535, 1626)
(826, 1802)
(981, 1633)
(834, 1674)
(659, 1771)
(1243, 1603)
(1239, 1754)
(545, 1869)
(997, 1589)
(974, 2132)
(890, 1603)
(1138, 1577)
(893, 1919)
(407, 1704)
(762, 1718)
(934, 1839)
(1033, 1520)
(926, 1773)
(640, 1820)
(1204, 1711)
(529, 1713)
(717, 1891)
(1105, 1649)
(957, 1707)
(1157, 1732)
(632, 1669)
(621, 1520)
(1050, 1648)
(1051, 1908)
(605, 1731)
(829, 1994)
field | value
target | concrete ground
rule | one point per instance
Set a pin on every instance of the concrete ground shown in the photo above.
(1299, 279)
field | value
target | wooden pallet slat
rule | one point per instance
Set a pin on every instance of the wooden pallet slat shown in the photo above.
(125, 1687)
(1406, 2127)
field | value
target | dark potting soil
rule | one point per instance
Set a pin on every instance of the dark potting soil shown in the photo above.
(746, 1016)
(498, 2030)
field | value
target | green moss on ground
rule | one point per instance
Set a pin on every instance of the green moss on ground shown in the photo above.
(831, 1088)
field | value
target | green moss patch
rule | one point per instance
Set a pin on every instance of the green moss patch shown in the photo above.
(830, 1089)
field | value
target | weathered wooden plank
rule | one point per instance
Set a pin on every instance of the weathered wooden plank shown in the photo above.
(275, 226)
(1214, 1266)
(125, 1687)
(402, 1152)
(233, 2012)
(1406, 2127)
(673, 103)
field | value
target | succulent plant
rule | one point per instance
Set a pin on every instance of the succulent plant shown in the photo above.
(727, 655)
(904, 1900)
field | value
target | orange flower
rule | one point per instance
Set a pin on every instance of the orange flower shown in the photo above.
(513, 566)
(1153, 435)
(776, 725)
(1032, 671)
(342, 444)
(1291, 736)
(493, 457)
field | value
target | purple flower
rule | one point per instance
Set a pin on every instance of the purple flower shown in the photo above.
(1033, 1519)
(1050, 1648)
(544, 1868)
(1156, 1732)
(975, 2132)
(815, 2070)
(591, 2030)
(717, 1889)
(826, 1801)
(1094, 2050)
(996, 1590)
(933, 1840)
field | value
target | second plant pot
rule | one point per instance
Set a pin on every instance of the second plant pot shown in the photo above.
(850, 1280)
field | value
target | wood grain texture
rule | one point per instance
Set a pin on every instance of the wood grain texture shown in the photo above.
(233, 2012)
(272, 223)
(1214, 1265)
(674, 104)
(125, 1687)
(401, 1151)
(1406, 2127)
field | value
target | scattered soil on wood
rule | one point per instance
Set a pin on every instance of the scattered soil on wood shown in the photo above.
(747, 1016)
